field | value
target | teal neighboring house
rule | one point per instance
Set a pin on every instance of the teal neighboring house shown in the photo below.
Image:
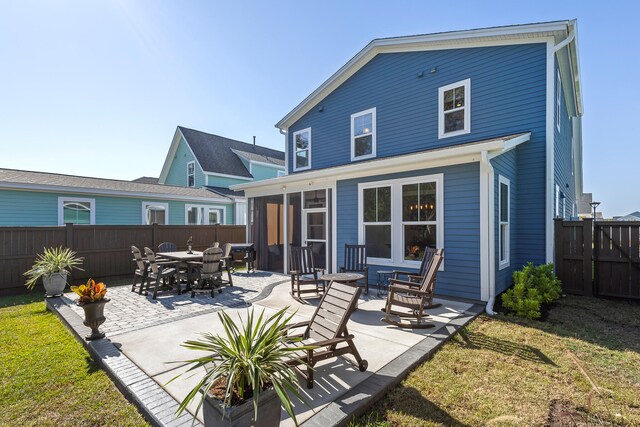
(193, 188)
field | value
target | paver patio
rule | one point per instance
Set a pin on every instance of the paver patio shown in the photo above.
(149, 333)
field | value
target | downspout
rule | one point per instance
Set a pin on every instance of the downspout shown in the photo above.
(563, 43)
(487, 168)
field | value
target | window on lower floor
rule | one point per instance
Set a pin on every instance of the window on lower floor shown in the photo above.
(76, 211)
(399, 218)
(155, 213)
(204, 215)
(504, 208)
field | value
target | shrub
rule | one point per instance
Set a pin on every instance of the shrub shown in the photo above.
(533, 286)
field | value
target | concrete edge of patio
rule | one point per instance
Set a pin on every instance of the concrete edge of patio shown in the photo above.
(153, 402)
(362, 397)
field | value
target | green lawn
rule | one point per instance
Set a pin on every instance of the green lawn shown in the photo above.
(506, 372)
(46, 376)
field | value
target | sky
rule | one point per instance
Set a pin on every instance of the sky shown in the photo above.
(97, 88)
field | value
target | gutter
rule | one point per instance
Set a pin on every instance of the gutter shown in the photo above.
(487, 168)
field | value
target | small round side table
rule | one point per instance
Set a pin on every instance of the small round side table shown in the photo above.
(383, 281)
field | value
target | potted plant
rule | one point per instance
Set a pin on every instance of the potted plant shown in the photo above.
(92, 300)
(247, 375)
(53, 266)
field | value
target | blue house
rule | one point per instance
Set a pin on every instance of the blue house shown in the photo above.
(193, 188)
(466, 140)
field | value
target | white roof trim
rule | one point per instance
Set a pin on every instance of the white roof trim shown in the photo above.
(464, 153)
(470, 38)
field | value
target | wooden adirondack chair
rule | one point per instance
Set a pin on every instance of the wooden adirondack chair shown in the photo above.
(226, 262)
(413, 296)
(427, 259)
(327, 330)
(141, 270)
(303, 273)
(355, 261)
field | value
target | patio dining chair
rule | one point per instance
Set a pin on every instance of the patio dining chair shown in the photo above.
(413, 296)
(355, 261)
(226, 262)
(163, 274)
(327, 331)
(167, 247)
(142, 269)
(427, 260)
(208, 273)
(304, 276)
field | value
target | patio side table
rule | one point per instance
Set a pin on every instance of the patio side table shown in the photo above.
(383, 281)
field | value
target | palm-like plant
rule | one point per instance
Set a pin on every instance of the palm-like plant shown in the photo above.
(51, 261)
(251, 357)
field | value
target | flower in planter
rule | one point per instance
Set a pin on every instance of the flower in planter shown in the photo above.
(90, 292)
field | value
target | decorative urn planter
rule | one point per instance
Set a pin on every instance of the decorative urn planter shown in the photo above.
(242, 415)
(94, 317)
(54, 284)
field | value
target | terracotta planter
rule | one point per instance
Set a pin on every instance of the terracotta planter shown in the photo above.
(94, 317)
(216, 415)
(54, 284)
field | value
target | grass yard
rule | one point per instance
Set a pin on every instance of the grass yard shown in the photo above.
(46, 376)
(581, 366)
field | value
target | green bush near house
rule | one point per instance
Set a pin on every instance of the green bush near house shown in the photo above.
(533, 286)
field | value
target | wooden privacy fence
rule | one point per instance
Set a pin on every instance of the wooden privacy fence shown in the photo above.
(601, 258)
(106, 248)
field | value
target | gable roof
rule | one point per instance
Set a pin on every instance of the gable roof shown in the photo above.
(559, 30)
(45, 181)
(217, 154)
(634, 216)
(146, 180)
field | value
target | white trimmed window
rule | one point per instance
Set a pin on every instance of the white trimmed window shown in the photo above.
(504, 215)
(558, 104)
(399, 218)
(302, 152)
(76, 210)
(557, 212)
(191, 174)
(363, 134)
(204, 215)
(454, 109)
(155, 213)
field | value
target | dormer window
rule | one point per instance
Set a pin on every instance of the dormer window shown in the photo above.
(363, 134)
(454, 109)
(191, 174)
(302, 153)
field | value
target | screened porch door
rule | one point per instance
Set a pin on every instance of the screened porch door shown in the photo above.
(314, 225)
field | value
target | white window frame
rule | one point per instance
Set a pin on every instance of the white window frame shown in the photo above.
(557, 210)
(362, 224)
(204, 219)
(504, 263)
(397, 231)
(63, 200)
(467, 108)
(191, 174)
(558, 103)
(145, 205)
(354, 116)
(296, 151)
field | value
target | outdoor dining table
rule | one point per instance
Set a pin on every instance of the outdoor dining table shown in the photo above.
(183, 257)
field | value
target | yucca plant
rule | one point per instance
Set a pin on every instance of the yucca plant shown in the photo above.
(251, 357)
(52, 261)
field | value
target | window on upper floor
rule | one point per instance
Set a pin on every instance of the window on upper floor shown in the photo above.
(76, 210)
(504, 212)
(558, 102)
(155, 213)
(302, 152)
(454, 109)
(363, 134)
(191, 174)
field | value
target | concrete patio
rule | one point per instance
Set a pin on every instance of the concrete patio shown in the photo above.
(144, 354)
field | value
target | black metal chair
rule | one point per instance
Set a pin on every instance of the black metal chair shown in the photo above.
(303, 273)
(355, 261)
(163, 274)
(208, 273)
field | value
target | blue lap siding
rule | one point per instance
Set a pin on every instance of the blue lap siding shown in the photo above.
(563, 156)
(461, 276)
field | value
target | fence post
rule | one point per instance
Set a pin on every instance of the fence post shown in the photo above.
(558, 246)
(587, 252)
(68, 242)
(154, 235)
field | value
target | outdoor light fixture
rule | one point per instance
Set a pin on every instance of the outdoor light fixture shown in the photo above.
(594, 205)
(421, 74)
(434, 69)
(321, 109)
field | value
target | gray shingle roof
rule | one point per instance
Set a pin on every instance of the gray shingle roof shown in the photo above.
(146, 180)
(260, 158)
(215, 153)
(224, 191)
(86, 184)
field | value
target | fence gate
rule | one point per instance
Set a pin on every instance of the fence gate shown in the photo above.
(601, 258)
